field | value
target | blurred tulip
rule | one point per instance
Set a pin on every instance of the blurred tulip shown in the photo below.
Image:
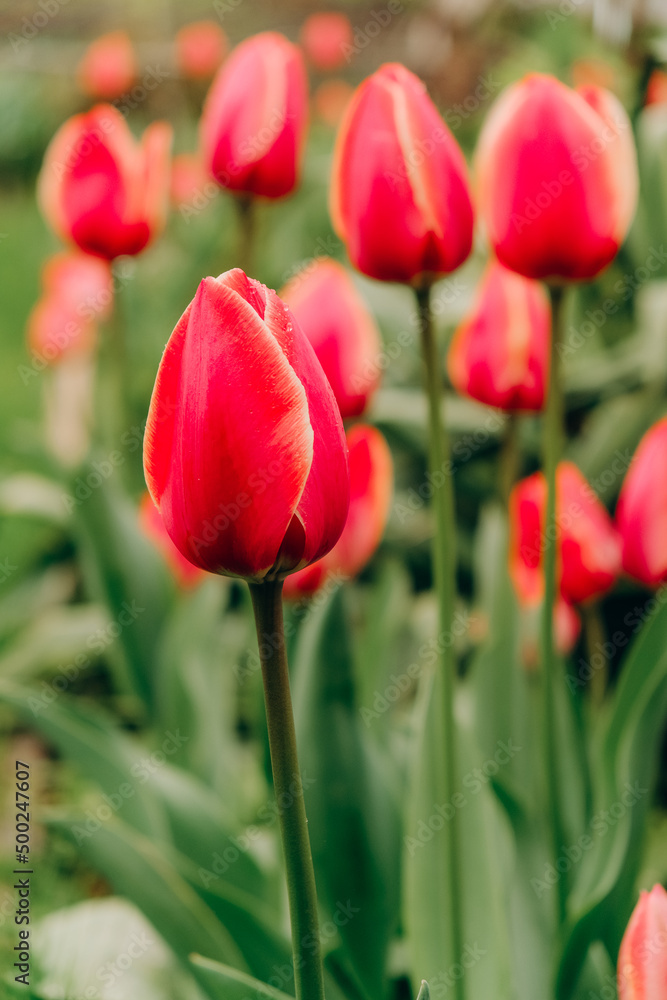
(656, 91)
(556, 178)
(589, 548)
(641, 513)
(500, 352)
(188, 179)
(152, 524)
(330, 101)
(567, 626)
(54, 329)
(371, 479)
(83, 282)
(100, 189)
(77, 293)
(334, 317)
(593, 73)
(399, 193)
(109, 67)
(642, 959)
(254, 120)
(326, 37)
(200, 48)
(244, 452)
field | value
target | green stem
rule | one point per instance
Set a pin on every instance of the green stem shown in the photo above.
(247, 218)
(552, 450)
(444, 569)
(308, 974)
(112, 405)
(509, 464)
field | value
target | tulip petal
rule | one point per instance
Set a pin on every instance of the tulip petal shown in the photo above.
(237, 439)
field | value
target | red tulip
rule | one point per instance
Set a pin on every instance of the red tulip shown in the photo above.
(188, 180)
(500, 352)
(77, 293)
(371, 477)
(187, 574)
(254, 120)
(200, 48)
(656, 91)
(589, 548)
(399, 194)
(330, 101)
(82, 282)
(642, 959)
(641, 514)
(557, 178)
(244, 452)
(332, 314)
(325, 38)
(101, 190)
(109, 67)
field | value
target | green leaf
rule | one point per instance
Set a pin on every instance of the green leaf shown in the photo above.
(351, 803)
(124, 571)
(145, 874)
(485, 856)
(625, 756)
(102, 753)
(225, 983)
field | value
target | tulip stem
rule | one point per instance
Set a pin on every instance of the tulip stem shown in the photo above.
(308, 973)
(245, 207)
(444, 570)
(552, 449)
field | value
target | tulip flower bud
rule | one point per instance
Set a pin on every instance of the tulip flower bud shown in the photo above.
(656, 91)
(641, 513)
(399, 193)
(77, 293)
(371, 479)
(500, 352)
(589, 548)
(101, 190)
(556, 178)
(642, 959)
(200, 48)
(244, 452)
(187, 574)
(254, 120)
(326, 37)
(109, 67)
(333, 316)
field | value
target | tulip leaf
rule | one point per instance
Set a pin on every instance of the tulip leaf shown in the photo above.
(350, 799)
(485, 848)
(225, 983)
(123, 571)
(625, 753)
(102, 754)
(145, 874)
